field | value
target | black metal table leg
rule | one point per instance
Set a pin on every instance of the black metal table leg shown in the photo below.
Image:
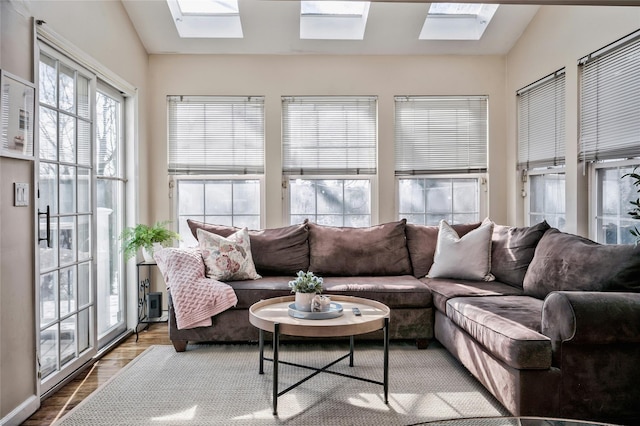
(386, 360)
(351, 351)
(261, 346)
(276, 343)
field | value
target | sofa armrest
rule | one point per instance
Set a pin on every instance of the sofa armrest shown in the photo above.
(591, 317)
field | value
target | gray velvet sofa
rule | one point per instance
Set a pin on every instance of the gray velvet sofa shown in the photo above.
(556, 334)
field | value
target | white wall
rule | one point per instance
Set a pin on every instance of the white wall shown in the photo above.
(557, 37)
(276, 76)
(102, 30)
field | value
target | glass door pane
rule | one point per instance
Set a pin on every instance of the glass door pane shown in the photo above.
(65, 302)
(110, 212)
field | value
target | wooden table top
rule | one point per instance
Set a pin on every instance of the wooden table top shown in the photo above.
(266, 313)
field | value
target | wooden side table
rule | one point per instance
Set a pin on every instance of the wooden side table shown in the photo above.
(272, 315)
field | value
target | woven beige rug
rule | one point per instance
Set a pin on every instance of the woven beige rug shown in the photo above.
(220, 385)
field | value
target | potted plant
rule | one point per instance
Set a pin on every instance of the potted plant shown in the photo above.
(144, 237)
(305, 286)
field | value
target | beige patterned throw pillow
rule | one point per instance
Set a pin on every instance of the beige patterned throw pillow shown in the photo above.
(227, 259)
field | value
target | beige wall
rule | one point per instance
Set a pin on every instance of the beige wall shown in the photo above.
(102, 30)
(275, 76)
(557, 37)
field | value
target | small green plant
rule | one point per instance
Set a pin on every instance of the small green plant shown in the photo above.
(145, 236)
(306, 282)
(635, 212)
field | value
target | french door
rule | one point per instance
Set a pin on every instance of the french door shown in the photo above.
(110, 194)
(81, 191)
(65, 208)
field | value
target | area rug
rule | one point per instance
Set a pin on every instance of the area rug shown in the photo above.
(220, 385)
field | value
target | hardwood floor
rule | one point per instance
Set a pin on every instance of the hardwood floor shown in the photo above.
(70, 395)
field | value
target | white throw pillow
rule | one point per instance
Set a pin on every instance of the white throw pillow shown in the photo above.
(466, 258)
(227, 259)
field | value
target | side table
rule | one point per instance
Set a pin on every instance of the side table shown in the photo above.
(144, 284)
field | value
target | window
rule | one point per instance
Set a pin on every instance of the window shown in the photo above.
(541, 148)
(441, 158)
(428, 200)
(329, 158)
(614, 195)
(206, 19)
(610, 133)
(216, 159)
(457, 21)
(333, 20)
(547, 198)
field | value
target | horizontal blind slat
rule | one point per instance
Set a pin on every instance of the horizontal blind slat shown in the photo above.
(329, 134)
(440, 134)
(219, 135)
(609, 104)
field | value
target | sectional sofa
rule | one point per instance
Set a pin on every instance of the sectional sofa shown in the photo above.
(550, 325)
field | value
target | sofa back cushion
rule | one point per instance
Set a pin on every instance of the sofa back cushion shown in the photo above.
(512, 250)
(342, 251)
(277, 251)
(421, 243)
(569, 262)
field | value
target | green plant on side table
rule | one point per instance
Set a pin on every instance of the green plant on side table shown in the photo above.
(144, 237)
(635, 212)
(305, 286)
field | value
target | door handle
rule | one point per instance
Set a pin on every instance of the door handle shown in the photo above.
(46, 213)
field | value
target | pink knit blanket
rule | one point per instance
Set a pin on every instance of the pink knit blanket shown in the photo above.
(195, 298)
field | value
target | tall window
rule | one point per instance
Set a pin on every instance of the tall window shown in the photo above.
(441, 158)
(610, 133)
(216, 159)
(541, 148)
(329, 158)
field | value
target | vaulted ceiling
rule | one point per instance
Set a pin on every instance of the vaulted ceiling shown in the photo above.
(392, 28)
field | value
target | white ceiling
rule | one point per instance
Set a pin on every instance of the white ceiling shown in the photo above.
(273, 27)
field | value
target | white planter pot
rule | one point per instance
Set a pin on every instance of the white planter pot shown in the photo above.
(303, 301)
(147, 255)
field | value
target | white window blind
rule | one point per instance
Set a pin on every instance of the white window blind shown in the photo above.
(216, 135)
(440, 134)
(329, 135)
(541, 122)
(610, 102)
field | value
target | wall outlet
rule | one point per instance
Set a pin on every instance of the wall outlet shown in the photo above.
(21, 197)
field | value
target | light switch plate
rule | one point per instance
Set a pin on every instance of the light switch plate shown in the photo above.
(21, 197)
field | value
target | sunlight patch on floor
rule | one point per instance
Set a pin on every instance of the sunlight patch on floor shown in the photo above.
(188, 414)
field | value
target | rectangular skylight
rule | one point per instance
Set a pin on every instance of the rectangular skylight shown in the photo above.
(455, 8)
(333, 20)
(206, 18)
(457, 21)
(208, 7)
(341, 8)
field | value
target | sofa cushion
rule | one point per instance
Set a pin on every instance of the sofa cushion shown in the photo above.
(512, 250)
(507, 326)
(421, 243)
(404, 291)
(394, 291)
(227, 259)
(444, 289)
(467, 257)
(275, 251)
(568, 262)
(343, 251)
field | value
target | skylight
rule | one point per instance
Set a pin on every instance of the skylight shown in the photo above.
(206, 18)
(457, 21)
(208, 7)
(341, 8)
(333, 20)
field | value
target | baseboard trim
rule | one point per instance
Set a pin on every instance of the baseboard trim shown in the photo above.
(21, 412)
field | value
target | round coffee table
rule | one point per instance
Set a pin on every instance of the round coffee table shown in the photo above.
(272, 315)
